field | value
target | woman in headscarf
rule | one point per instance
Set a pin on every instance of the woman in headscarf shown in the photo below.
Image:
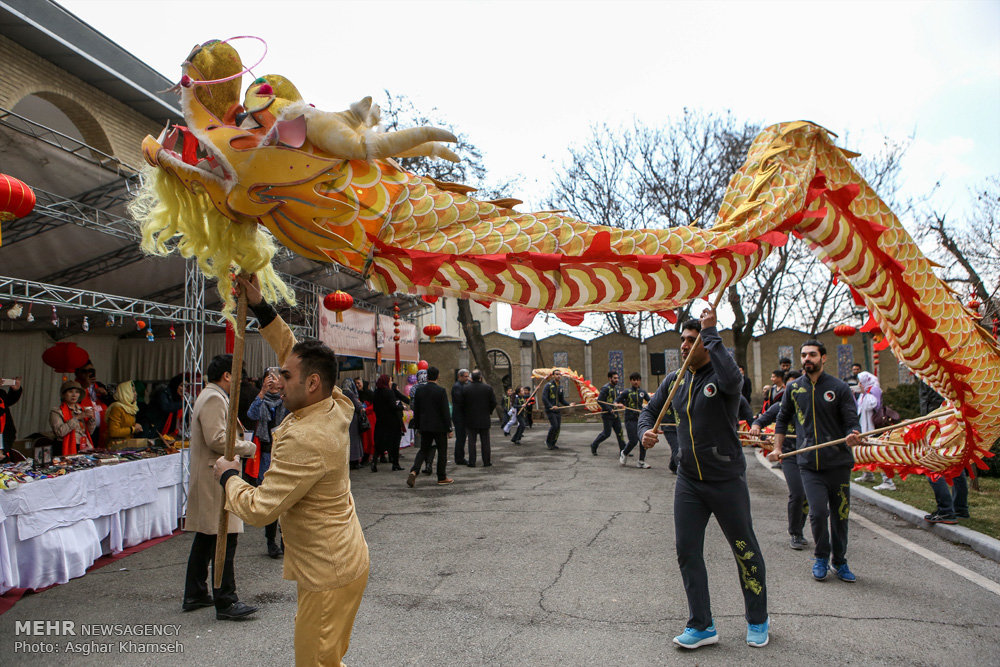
(388, 421)
(72, 422)
(351, 392)
(268, 410)
(868, 396)
(120, 418)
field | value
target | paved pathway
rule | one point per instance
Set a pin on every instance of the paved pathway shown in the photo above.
(556, 558)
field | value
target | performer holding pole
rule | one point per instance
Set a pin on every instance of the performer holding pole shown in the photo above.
(308, 489)
(822, 408)
(711, 478)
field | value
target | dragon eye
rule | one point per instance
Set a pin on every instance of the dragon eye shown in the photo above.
(241, 116)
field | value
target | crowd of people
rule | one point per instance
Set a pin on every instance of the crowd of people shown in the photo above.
(302, 435)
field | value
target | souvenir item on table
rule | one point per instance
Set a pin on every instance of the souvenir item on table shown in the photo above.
(326, 186)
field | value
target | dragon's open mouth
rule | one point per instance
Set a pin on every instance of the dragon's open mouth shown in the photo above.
(181, 145)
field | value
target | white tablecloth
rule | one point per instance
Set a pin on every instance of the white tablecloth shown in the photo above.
(52, 530)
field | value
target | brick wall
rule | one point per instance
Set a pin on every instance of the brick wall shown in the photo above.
(104, 122)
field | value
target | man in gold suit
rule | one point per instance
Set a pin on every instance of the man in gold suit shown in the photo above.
(308, 489)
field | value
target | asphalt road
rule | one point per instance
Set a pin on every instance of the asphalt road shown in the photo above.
(550, 558)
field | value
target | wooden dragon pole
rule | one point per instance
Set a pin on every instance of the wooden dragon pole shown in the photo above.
(232, 423)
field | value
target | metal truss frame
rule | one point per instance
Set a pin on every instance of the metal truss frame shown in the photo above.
(65, 143)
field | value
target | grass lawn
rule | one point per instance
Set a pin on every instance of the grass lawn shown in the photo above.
(984, 504)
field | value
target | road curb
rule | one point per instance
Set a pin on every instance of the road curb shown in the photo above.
(984, 545)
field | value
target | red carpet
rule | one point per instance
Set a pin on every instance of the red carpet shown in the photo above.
(10, 598)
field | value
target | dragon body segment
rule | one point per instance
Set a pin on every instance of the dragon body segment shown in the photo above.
(588, 392)
(413, 234)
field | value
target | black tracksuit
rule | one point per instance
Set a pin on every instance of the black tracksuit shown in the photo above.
(553, 396)
(517, 402)
(711, 479)
(610, 419)
(822, 412)
(798, 508)
(633, 398)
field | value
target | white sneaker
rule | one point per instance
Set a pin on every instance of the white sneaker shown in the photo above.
(642, 464)
(621, 459)
(887, 485)
(865, 477)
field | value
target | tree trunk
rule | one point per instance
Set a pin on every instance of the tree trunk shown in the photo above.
(477, 345)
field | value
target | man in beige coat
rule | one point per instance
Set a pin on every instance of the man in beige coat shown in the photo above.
(308, 489)
(208, 441)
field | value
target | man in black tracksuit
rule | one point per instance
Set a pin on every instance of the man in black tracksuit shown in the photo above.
(633, 398)
(797, 506)
(605, 399)
(711, 479)
(823, 410)
(552, 397)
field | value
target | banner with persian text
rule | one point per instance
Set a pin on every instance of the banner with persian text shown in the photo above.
(361, 334)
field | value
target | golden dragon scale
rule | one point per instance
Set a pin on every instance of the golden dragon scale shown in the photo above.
(412, 234)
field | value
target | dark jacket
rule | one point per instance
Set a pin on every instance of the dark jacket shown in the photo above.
(388, 417)
(608, 394)
(633, 398)
(457, 409)
(430, 408)
(706, 406)
(553, 395)
(929, 399)
(8, 397)
(478, 403)
(822, 412)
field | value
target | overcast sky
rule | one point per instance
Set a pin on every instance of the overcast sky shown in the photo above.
(525, 80)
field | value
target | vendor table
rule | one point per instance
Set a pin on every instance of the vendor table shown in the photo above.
(52, 530)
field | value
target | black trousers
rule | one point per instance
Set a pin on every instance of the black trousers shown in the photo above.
(632, 429)
(555, 421)
(203, 554)
(796, 496)
(391, 447)
(484, 438)
(522, 422)
(729, 500)
(611, 423)
(429, 442)
(459, 442)
(829, 495)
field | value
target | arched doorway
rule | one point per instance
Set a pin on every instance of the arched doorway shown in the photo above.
(501, 364)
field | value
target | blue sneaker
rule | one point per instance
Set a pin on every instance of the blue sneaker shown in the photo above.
(820, 568)
(692, 638)
(844, 574)
(757, 634)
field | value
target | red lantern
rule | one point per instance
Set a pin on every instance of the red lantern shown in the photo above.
(16, 199)
(845, 331)
(140, 325)
(422, 365)
(338, 302)
(973, 305)
(428, 298)
(395, 327)
(432, 330)
(65, 357)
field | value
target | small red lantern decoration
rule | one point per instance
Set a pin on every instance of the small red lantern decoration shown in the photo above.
(65, 357)
(395, 328)
(338, 302)
(173, 334)
(16, 199)
(845, 331)
(422, 365)
(973, 305)
(429, 298)
(432, 330)
(140, 324)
